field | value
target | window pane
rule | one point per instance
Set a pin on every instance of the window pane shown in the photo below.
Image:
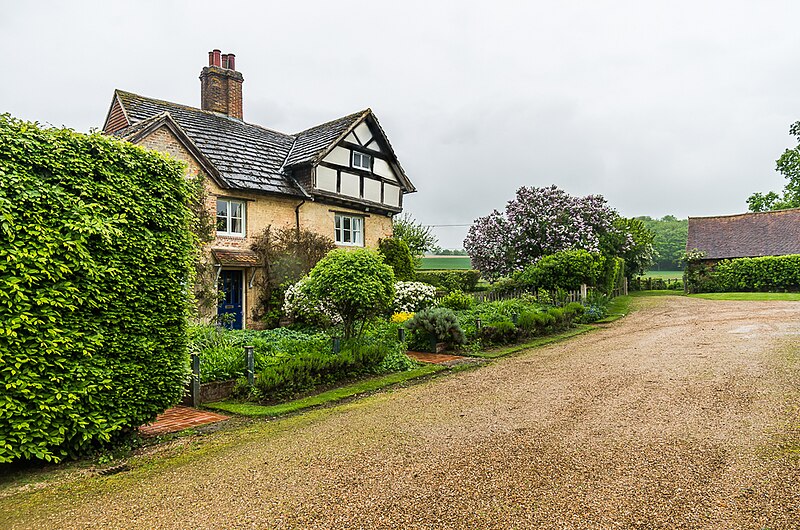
(236, 209)
(222, 208)
(365, 161)
(222, 224)
(338, 222)
(236, 226)
(347, 223)
(346, 235)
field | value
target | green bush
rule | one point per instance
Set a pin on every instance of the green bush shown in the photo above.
(438, 322)
(764, 274)
(96, 255)
(613, 275)
(356, 284)
(564, 270)
(450, 280)
(499, 332)
(457, 300)
(397, 255)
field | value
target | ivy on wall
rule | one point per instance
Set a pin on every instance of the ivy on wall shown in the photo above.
(96, 259)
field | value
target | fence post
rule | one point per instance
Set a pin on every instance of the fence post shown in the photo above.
(250, 364)
(625, 287)
(583, 293)
(195, 380)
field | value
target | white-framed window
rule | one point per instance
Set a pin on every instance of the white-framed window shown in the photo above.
(230, 217)
(362, 161)
(349, 230)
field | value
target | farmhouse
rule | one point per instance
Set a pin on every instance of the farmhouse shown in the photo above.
(341, 179)
(745, 235)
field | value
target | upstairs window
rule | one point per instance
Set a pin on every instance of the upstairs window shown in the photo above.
(230, 217)
(349, 230)
(362, 161)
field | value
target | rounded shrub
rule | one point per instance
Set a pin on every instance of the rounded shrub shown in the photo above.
(457, 301)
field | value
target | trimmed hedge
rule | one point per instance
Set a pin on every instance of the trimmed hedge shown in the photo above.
(95, 267)
(564, 270)
(451, 280)
(769, 273)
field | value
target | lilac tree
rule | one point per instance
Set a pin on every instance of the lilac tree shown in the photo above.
(536, 223)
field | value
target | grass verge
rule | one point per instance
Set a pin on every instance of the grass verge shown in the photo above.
(789, 297)
(337, 394)
(541, 341)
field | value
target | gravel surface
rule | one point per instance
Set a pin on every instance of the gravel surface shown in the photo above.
(681, 415)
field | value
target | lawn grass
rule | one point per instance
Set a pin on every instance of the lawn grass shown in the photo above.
(541, 341)
(337, 394)
(789, 297)
(445, 263)
(664, 275)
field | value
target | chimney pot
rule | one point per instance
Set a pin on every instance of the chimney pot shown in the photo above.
(221, 85)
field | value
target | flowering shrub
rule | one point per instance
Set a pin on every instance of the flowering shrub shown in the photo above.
(402, 316)
(538, 222)
(300, 305)
(413, 296)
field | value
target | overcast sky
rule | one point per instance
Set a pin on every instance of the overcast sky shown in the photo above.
(665, 107)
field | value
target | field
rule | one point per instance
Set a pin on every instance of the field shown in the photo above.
(664, 275)
(445, 262)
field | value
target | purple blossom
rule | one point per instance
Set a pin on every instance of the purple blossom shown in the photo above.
(537, 222)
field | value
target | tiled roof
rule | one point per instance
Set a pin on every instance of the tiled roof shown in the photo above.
(746, 235)
(246, 156)
(313, 142)
(236, 258)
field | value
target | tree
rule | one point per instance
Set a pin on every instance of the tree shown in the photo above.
(670, 240)
(536, 223)
(356, 283)
(787, 165)
(397, 255)
(418, 237)
(632, 241)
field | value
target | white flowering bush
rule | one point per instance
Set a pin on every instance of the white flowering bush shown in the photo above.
(411, 297)
(300, 305)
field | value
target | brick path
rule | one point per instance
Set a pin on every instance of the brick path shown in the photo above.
(179, 418)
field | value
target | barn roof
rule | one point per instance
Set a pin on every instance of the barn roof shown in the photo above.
(746, 235)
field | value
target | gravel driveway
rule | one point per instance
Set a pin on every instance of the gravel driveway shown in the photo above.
(681, 415)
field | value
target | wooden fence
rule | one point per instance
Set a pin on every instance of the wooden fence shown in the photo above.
(564, 297)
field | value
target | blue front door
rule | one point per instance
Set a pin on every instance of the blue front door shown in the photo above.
(230, 306)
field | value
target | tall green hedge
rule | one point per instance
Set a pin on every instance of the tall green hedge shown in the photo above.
(95, 261)
(768, 273)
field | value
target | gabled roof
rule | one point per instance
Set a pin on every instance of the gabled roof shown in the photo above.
(245, 156)
(312, 144)
(775, 233)
(242, 155)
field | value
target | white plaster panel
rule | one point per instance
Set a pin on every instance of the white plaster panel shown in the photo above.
(339, 156)
(363, 133)
(326, 178)
(375, 147)
(351, 138)
(350, 185)
(391, 195)
(372, 190)
(381, 167)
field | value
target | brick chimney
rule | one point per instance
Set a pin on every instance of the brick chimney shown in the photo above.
(221, 85)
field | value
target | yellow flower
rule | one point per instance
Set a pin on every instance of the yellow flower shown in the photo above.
(399, 318)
